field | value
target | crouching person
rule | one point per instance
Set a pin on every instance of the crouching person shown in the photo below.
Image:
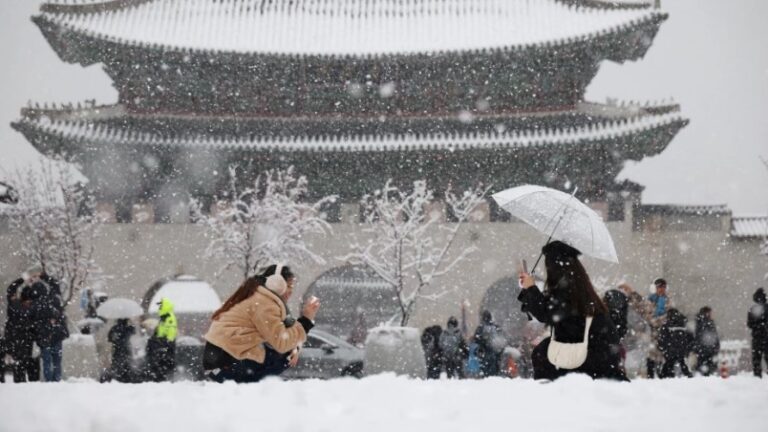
(253, 334)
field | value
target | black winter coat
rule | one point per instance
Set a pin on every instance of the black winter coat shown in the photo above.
(48, 312)
(707, 340)
(19, 329)
(603, 358)
(675, 340)
(757, 319)
(120, 336)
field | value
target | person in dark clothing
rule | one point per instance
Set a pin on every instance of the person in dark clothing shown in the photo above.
(49, 323)
(120, 337)
(675, 342)
(161, 347)
(454, 349)
(618, 309)
(19, 333)
(575, 313)
(707, 342)
(430, 339)
(757, 321)
(490, 344)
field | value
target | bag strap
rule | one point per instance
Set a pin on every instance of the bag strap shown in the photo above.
(587, 325)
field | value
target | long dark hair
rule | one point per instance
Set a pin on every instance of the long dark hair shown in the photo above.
(567, 281)
(249, 287)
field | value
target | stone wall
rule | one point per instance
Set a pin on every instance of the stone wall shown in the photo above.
(702, 267)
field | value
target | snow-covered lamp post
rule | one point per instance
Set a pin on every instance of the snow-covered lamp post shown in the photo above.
(264, 223)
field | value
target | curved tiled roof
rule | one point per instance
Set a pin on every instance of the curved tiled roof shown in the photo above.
(103, 134)
(681, 209)
(345, 27)
(749, 226)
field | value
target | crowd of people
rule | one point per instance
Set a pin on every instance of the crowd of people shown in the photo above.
(253, 334)
(37, 326)
(588, 333)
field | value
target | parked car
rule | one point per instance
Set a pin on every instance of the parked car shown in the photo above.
(327, 356)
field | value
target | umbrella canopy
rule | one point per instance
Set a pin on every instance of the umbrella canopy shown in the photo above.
(119, 308)
(561, 216)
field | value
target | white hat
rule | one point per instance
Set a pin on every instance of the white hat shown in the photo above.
(276, 282)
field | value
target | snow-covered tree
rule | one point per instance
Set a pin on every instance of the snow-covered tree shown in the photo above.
(264, 223)
(408, 247)
(54, 220)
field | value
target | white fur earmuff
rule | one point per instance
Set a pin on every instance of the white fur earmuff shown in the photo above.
(276, 283)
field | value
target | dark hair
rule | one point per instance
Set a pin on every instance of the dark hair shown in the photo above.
(285, 272)
(567, 280)
(660, 282)
(249, 287)
(705, 310)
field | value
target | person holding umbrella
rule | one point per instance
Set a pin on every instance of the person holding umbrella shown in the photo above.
(583, 337)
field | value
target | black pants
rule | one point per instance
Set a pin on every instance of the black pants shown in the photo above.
(668, 370)
(651, 368)
(705, 364)
(759, 352)
(224, 367)
(454, 368)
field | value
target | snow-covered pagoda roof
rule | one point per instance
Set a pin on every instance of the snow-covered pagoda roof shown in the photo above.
(342, 27)
(92, 134)
(749, 226)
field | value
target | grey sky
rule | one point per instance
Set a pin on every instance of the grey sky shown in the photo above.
(711, 56)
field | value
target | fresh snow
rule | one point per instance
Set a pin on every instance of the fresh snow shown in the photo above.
(387, 403)
(342, 27)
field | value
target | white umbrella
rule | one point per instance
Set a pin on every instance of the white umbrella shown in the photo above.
(119, 308)
(560, 216)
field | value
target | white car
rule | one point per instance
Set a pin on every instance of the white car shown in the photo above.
(326, 356)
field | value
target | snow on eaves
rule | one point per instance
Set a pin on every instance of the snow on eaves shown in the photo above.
(749, 226)
(102, 134)
(349, 27)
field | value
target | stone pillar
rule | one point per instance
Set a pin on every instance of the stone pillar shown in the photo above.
(105, 212)
(482, 213)
(178, 212)
(435, 210)
(350, 213)
(142, 213)
(601, 208)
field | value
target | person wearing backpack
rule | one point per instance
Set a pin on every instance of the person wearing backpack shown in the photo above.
(675, 342)
(454, 349)
(490, 343)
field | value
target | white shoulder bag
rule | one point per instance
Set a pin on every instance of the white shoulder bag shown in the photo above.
(569, 355)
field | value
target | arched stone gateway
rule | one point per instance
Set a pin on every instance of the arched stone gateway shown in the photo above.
(354, 299)
(501, 300)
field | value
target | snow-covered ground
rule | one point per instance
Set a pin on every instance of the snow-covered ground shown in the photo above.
(389, 403)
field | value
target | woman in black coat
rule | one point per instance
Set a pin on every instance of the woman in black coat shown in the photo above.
(568, 300)
(120, 338)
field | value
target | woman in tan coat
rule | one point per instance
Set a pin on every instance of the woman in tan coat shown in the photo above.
(253, 334)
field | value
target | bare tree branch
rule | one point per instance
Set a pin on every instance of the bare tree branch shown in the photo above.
(264, 223)
(403, 250)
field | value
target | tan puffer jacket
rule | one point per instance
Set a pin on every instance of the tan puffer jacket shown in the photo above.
(243, 330)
